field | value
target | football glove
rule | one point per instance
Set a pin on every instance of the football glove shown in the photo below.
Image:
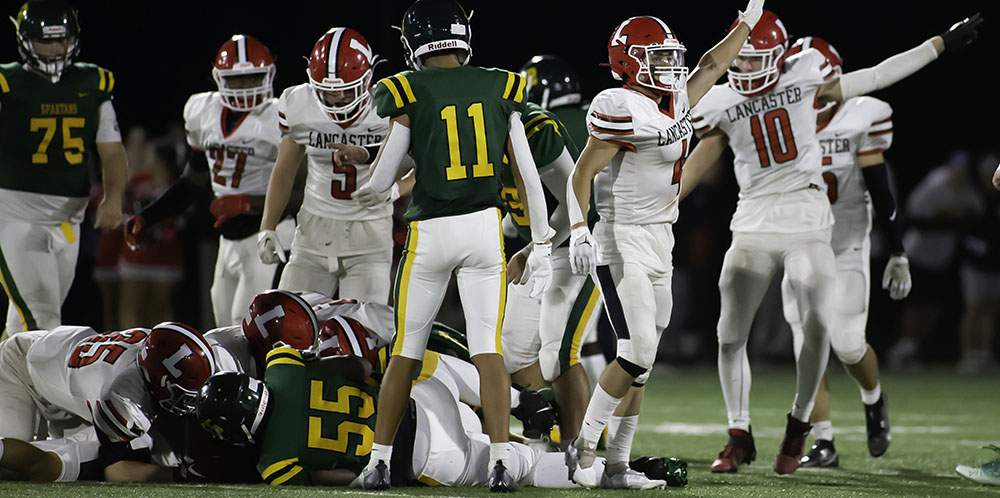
(538, 269)
(584, 255)
(896, 278)
(133, 227)
(962, 33)
(671, 470)
(368, 197)
(269, 247)
(229, 206)
(755, 8)
(535, 411)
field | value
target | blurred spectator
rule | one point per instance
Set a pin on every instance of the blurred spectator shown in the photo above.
(979, 271)
(936, 210)
(149, 271)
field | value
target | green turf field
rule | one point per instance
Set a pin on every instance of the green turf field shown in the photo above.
(938, 418)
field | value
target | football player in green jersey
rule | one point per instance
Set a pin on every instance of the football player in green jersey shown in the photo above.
(458, 117)
(555, 85)
(54, 115)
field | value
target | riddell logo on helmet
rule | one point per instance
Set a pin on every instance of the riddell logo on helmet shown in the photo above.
(442, 45)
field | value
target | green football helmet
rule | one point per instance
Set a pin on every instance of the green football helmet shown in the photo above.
(552, 82)
(43, 20)
(233, 407)
(432, 26)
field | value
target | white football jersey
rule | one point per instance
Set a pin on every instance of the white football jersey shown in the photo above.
(861, 126)
(232, 350)
(379, 319)
(328, 186)
(95, 377)
(641, 184)
(773, 137)
(241, 162)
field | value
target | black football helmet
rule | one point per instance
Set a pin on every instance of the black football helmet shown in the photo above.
(42, 20)
(232, 407)
(552, 82)
(432, 26)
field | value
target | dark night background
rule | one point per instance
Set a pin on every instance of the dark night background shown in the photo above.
(161, 53)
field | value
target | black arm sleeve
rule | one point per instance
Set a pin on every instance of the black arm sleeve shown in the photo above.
(877, 179)
(175, 200)
(109, 453)
(372, 152)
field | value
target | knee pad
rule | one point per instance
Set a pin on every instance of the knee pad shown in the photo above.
(631, 368)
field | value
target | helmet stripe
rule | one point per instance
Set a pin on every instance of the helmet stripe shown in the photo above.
(351, 337)
(241, 48)
(195, 337)
(807, 42)
(332, 51)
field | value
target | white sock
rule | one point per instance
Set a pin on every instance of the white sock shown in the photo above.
(499, 451)
(870, 397)
(379, 452)
(599, 411)
(823, 430)
(620, 434)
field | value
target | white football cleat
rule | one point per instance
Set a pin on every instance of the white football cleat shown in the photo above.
(630, 479)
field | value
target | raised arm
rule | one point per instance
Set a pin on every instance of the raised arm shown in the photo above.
(714, 63)
(902, 65)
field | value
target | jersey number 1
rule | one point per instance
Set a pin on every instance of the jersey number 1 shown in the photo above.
(482, 167)
(782, 147)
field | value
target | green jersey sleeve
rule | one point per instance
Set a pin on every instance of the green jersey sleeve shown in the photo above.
(393, 95)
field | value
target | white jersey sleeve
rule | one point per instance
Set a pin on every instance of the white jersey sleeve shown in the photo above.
(232, 350)
(641, 184)
(194, 107)
(879, 132)
(329, 186)
(377, 318)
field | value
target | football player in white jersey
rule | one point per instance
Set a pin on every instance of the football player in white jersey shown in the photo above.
(853, 136)
(234, 135)
(339, 244)
(639, 138)
(117, 381)
(767, 115)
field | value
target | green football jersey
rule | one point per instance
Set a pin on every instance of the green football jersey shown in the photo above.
(575, 117)
(458, 133)
(319, 420)
(48, 130)
(547, 136)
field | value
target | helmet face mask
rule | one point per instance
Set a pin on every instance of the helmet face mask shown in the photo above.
(662, 66)
(47, 34)
(244, 73)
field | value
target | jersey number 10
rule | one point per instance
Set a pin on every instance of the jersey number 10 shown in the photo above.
(782, 145)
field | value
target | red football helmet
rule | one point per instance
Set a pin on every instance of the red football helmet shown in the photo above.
(175, 361)
(240, 57)
(644, 51)
(279, 315)
(340, 73)
(345, 336)
(758, 65)
(831, 54)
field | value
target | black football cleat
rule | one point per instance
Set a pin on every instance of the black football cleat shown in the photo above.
(822, 454)
(376, 479)
(500, 480)
(877, 422)
(671, 470)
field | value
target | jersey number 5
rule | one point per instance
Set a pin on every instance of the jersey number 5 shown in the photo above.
(343, 189)
(344, 429)
(779, 136)
(482, 167)
(48, 127)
